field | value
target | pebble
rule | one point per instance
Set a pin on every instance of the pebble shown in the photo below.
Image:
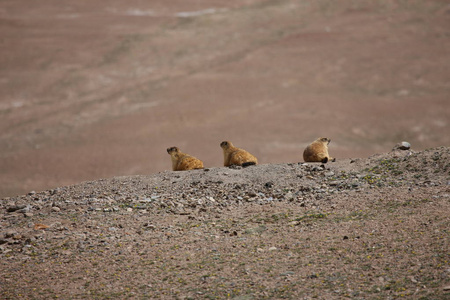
(56, 209)
(10, 233)
(149, 226)
(402, 146)
(289, 196)
(14, 207)
(355, 184)
(287, 273)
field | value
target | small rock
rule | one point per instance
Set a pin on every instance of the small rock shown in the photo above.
(289, 196)
(5, 251)
(25, 209)
(66, 252)
(272, 248)
(446, 288)
(402, 146)
(268, 185)
(150, 226)
(10, 233)
(17, 237)
(13, 207)
(287, 273)
(235, 167)
(56, 209)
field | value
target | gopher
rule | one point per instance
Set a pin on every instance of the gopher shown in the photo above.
(317, 151)
(182, 161)
(236, 156)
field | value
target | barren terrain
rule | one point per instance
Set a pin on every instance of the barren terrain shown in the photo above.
(92, 94)
(374, 228)
(92, 90)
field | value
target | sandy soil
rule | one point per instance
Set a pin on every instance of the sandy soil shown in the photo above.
(94, 91)
(372, 228)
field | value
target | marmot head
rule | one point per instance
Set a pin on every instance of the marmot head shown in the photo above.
(173, 150)
(226, 144)
(324, 140)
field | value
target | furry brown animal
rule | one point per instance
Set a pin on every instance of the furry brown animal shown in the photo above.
(182, 161)
(236, 156)
(317, 151)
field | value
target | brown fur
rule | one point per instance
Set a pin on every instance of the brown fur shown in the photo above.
(182, 161)
(236, 156)
(317, 151)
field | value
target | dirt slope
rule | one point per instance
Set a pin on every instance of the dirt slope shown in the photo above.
(373, 228)
(94, 91)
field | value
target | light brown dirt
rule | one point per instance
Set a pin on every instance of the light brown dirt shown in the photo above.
(93, 90)
(373, 228)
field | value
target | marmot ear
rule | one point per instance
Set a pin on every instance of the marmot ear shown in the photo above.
(172, 149)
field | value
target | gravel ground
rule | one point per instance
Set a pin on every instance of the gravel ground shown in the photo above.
(367, 228)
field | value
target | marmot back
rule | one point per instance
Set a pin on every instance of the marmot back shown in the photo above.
(236, 156)
(182, 161)
(317, 151)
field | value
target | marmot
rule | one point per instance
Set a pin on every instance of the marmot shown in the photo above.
(182, 161)
(317, 151)
(236, 156)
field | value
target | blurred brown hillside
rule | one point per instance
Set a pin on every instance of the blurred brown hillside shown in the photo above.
(92, 90)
